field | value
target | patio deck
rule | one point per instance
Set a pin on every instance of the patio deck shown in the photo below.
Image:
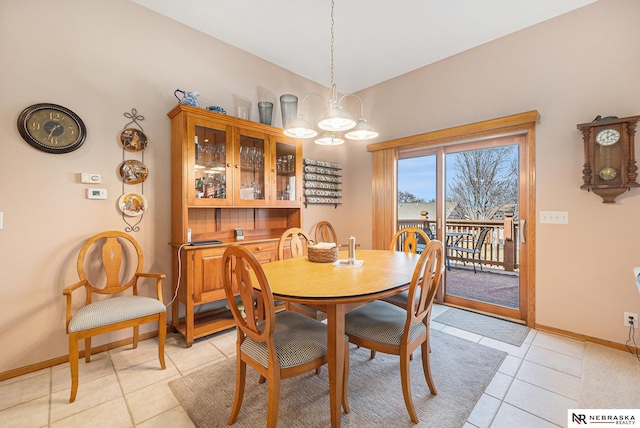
(488, 285)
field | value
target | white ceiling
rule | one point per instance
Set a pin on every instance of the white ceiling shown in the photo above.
(374, 40)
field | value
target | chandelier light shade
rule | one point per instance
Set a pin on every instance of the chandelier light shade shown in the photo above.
(300, 127)
(362, 131)
(329, 138)
(335, 120)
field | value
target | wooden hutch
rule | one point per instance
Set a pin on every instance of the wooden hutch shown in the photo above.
(226, 173)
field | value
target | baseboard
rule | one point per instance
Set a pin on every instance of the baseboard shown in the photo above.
(582, 337)
(63, 359)
(106, 347)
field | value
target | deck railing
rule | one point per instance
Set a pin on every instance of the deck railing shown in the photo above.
(499, 250)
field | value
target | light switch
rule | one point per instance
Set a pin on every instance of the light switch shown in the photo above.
(554, 217)
(90, 178)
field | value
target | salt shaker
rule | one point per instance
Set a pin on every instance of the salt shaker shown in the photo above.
(352, 250)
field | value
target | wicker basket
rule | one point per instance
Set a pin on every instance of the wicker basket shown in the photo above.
(323, 255)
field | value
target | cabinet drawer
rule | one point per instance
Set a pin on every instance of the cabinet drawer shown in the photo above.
(260, 247)
(265, 252)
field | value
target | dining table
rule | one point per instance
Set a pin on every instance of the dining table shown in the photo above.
(337, 288)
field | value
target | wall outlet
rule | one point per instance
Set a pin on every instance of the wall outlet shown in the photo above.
(630, 319)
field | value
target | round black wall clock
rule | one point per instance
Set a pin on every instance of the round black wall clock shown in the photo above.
(51, 128)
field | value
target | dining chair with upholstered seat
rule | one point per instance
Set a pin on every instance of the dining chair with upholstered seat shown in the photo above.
(293, 243)
(278, 346)
(386, 328)
(326, 233)
(409, 240)
(110, 265)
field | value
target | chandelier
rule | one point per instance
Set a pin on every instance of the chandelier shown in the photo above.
(335, 121)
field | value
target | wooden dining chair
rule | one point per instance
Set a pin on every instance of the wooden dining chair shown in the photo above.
(389, 329)
(325, 232)
(110, 257)
(409, 239)
(277, 346)
(293, 243)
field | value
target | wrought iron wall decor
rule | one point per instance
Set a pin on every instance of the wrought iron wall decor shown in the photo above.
(133, 172)
(322, 182)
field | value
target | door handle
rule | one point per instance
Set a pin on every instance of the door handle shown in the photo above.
(523, 234)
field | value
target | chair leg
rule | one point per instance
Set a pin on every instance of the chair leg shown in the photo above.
(373, 354)
(162, 335)
(345, 380)
(241, 372)
(87, 349)
(274, 402)
(426, 367)
(262, 379)
(406, 386)
(136, 330)
(73, 364)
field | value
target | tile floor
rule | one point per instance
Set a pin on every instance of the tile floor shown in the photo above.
(534, 387)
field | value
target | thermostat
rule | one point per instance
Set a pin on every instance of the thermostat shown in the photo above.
(97, 193)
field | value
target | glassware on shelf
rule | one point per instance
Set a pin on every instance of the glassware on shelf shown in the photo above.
(265, 110)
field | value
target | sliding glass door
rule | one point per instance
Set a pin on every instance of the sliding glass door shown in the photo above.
(468, 195)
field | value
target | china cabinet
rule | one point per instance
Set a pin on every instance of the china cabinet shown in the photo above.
(226, 173)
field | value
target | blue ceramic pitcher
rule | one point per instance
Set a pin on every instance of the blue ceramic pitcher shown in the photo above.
(188, 98)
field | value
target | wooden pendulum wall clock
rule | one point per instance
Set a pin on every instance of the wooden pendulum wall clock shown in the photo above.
(609, 156)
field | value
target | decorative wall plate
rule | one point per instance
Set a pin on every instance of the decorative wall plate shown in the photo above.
(133, 140)
(133, 171)
(133, 204)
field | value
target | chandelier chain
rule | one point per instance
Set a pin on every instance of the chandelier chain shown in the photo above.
(332, 22)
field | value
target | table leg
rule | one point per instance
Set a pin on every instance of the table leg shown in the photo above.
(336, 349)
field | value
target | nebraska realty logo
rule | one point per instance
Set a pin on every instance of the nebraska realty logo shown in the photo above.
(580, 417)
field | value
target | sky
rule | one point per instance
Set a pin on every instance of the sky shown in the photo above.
(418, 175)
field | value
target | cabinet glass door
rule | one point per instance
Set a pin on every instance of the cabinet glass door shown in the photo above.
(210, 151)
(287, 162)
(251, 185)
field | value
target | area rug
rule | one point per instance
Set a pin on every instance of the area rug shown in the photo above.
(498, 329)
(461, 371)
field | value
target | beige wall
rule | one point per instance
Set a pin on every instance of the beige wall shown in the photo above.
(100, 59)
(116, 55)
(570, 69)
